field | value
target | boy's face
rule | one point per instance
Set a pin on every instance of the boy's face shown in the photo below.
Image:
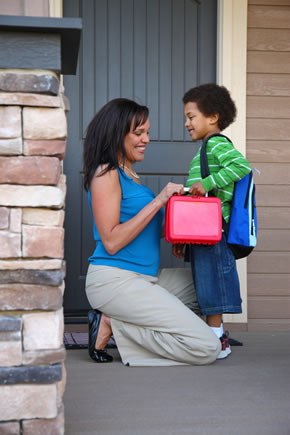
(198, 125)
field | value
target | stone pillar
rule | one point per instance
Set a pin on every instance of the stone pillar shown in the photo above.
(33, 134)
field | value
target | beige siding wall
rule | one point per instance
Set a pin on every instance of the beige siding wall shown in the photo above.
(268, 149)
(38, 8)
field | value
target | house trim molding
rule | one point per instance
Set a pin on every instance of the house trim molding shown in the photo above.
(56, 8)
(232, 73)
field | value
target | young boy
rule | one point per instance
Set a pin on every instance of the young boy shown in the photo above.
(209, 109)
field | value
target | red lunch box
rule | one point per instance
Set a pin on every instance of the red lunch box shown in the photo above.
(193, 220)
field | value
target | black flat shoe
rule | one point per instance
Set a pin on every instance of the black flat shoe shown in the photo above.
(97, 355)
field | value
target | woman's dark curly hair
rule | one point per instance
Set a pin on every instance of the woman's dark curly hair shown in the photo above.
(106, 132)
(211, 99)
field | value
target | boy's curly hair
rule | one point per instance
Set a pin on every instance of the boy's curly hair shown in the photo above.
(210, 99)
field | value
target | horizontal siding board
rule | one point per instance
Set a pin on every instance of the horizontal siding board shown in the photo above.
(276, 129)
(268, 84)
(268, 284)
(272, 196)
(268, 151)
(268, 107)
(268, 325)
(268, 307)
(273, 174)
(268, 135)
(268, 39)
(269, 2)
(269, 262)
(273, 240)
(274, 218)
(269, 16)
(268, 62)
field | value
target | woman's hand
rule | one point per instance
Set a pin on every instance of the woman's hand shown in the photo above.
(169, 190)
(197, 189)
(178, 250)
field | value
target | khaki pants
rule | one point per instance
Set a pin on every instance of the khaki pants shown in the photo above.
(152, 318)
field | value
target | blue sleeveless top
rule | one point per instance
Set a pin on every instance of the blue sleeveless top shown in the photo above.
(142, 255)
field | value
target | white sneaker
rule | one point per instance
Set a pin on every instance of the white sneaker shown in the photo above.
(226, 338)
(225, 351)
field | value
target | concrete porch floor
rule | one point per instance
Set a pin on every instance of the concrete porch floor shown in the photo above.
(246, 394)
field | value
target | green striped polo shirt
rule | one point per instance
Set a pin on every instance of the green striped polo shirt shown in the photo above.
(226, 165)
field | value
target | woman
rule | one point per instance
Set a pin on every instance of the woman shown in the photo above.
(149, 312)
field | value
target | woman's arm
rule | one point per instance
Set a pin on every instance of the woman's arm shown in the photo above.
(106, 200)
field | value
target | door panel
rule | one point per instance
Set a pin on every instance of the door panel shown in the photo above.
(150, 51)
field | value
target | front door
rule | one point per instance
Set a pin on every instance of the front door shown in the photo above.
(151, 51)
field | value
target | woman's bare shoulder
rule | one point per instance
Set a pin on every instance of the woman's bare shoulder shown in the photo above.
(109, 177)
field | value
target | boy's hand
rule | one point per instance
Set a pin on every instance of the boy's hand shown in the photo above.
(197, 189)
(178, 250)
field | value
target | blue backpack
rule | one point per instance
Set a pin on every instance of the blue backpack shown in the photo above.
(241, 231)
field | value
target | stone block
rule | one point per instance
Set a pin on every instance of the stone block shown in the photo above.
(10, 122)
(10, 349)
(66, 103)
(32, 264)
(43, 330)
(40, 277)
(62, 287)
(60, 386)
(4, 218)
(51, 147)
(43, 217)
(10, 323)
(27, 401)
(54, 426)
(30, 170)
(19, 99)
(43, 357)
(11, 146)
(10, 428)
(29, 297)
(43, 123)
(10, 244)
(36, 83)
(43, 241)
(31, 374)
(62, 184)
(32, 196)
(15, 220)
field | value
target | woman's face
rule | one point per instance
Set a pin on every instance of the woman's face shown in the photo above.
(135, 142)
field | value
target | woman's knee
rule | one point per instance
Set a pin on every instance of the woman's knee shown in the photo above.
(212, 349)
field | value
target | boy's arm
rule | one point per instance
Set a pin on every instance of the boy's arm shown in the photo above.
(234, 166)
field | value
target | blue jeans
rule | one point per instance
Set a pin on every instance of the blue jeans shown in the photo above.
(216, 279)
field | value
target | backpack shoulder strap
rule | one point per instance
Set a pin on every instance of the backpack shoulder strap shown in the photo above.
(204, 169)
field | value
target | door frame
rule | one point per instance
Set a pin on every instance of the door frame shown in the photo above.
(232, 73)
